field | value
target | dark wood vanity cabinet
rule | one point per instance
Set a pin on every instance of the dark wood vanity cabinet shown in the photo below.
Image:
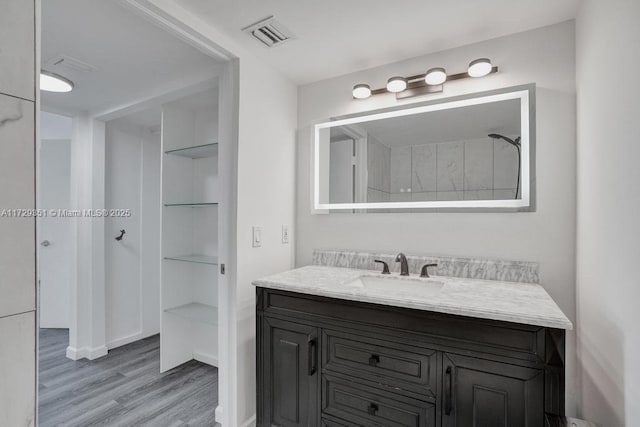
(336, 363)
(480, 392)
(291, 353)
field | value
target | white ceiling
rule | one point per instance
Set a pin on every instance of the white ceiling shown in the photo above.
(336, 37)
(133, 58)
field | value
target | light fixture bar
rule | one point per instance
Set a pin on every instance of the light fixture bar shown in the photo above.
(416, 85)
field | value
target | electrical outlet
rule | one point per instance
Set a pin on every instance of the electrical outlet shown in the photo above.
(257, 236)
(285, 233)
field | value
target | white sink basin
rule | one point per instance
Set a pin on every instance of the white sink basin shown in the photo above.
(401, 285)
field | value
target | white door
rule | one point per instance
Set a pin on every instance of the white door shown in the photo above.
(54, 234)
(341, 176)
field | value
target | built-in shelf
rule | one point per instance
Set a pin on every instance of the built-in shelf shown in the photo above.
(191, 205)
(196, 152)
(196, 312)
(197, 259)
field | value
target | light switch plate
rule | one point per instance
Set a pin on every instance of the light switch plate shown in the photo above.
(257, 236)
(285, 233)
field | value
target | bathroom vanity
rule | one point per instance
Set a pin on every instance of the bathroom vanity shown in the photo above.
(347, 347)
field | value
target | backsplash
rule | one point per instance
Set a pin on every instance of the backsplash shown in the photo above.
(466, 267)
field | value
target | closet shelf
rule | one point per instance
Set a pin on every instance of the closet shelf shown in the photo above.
(196, 152)
(191, 205)
(194, 258)
(196, 312)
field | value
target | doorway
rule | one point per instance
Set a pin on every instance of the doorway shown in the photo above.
(128, 339)
(54, 231)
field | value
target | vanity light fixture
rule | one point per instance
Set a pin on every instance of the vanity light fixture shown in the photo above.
(52, 82)
(435, 76)
(430, 82)
(480, 67)
(396, 84)
(361, 91)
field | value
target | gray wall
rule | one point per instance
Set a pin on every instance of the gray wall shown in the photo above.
(17, 191)
(546, 57)
(608, 292)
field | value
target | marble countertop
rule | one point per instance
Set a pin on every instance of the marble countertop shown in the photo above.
(525, 303)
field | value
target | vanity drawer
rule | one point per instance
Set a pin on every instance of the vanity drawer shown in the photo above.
(391, 363)
(437, 330)
(362, 405)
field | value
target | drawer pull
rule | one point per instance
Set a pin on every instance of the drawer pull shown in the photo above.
(372, 409)
(448, 391)
(311, 355)
(374, 360)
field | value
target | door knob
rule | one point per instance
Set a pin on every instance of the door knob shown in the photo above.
(45, 243)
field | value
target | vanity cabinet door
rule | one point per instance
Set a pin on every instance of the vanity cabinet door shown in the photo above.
(291, 377)
(478, 392)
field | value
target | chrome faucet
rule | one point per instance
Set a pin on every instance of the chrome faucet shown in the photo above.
(404, 265)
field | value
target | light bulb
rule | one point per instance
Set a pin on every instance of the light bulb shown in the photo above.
(480, 67)
(435, 76)
(361, 91)
(396, 84)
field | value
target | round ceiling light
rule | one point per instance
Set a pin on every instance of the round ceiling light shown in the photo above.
(361, 91)
(396, 84)
(52, 82)
(435, 76)
(480, 67)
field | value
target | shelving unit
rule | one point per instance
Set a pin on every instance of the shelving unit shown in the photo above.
(189, 314)
(190, 205)
(196, 152)
(197, 312)
(198, 259)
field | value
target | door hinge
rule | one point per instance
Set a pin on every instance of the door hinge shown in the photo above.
(222, 269)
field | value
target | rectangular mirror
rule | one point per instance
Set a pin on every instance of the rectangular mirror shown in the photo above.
(471, 152)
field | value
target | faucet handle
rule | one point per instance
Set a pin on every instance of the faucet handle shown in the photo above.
(385, 266)
(425, 269)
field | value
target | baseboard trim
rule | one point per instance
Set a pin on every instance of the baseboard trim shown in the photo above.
(95, 353)
(119, 342)
(74, 353)
(251, 422)
(205, 358)
(218, 414)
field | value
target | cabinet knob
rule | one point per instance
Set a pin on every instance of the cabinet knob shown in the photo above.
(374, 360)
(372, 409)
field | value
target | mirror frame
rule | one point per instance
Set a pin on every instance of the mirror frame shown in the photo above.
(526, 95)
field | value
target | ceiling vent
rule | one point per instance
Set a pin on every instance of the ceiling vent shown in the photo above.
(269, 32)
(68, 62)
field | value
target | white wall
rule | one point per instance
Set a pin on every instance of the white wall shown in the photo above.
(266, 194)
(608, 40)
(87, 330)
(150, 233)
(132, 181)
(55, 126)
(544, 56)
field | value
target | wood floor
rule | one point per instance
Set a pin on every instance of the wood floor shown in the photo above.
(124, 388)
